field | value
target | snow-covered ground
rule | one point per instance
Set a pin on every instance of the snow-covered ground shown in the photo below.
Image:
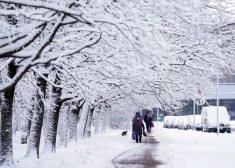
(232, 124)
(177, 149)
(95, 152)
(195, 149)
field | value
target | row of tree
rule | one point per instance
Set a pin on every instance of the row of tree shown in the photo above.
(70, 61)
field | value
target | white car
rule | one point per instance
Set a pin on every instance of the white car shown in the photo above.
(170, 121)
(175, 122)
(184, 122)
(198, 125)
(179, 122)
(167, 121)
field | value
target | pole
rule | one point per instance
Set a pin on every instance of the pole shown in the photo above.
(194, 115)
(203, 121)
(202, 114)
(217, 104)
(157, 115)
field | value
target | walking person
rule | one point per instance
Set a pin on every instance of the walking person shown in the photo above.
(148, 121)
(137, 128)
(136, 114)
(145, 117)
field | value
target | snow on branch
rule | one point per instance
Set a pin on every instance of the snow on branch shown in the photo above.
(27, 65)
(6, 63)
(50, 6)
(51, 83)
(20, 42)
(68, 53)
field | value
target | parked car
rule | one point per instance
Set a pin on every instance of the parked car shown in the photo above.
(170, 121)
(209, 119)
(167, 121)
(179, 122)
(198, 124)
(189, 122)
(184, 122)
(175, 122)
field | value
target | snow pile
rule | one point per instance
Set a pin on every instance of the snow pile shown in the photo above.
(195, 149)
(97, 151)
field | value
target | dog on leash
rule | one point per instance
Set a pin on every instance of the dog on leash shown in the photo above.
(124, 133)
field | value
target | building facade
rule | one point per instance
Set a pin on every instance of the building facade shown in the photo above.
(226, 96)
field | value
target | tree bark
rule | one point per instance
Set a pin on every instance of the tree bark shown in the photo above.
(83, 120)
(64, 122)
(37, 120)
(97, 122)
(53, 117)
(103, 123)
(29, 120)
(73, 120)
(6, 152)
(108, 120)
(87, 133)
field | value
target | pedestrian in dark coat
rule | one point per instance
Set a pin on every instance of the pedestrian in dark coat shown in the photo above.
(145, 117)
(148, 121)
(138, 125)
(136, 114)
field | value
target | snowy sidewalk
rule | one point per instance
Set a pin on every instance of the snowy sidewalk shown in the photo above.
(95, 152)
(140, 157)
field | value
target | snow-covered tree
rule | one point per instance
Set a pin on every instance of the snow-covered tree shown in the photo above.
(107, 54)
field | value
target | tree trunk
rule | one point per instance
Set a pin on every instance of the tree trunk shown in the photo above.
(14, 122)
(53, 117)
(103, 123)
(29, 120)
(64, 122)
(103, 120)
(87, 132)
(73, 120)
(97, 122)
(108, 120)
(83, 120)
(37, 120)
(6, 152)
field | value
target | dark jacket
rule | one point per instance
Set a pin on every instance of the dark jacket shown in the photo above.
(148, 120)
(138, 125)
(145, 117)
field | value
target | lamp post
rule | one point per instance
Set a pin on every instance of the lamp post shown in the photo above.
(157, 115)
(217, 104)
(194, 115)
